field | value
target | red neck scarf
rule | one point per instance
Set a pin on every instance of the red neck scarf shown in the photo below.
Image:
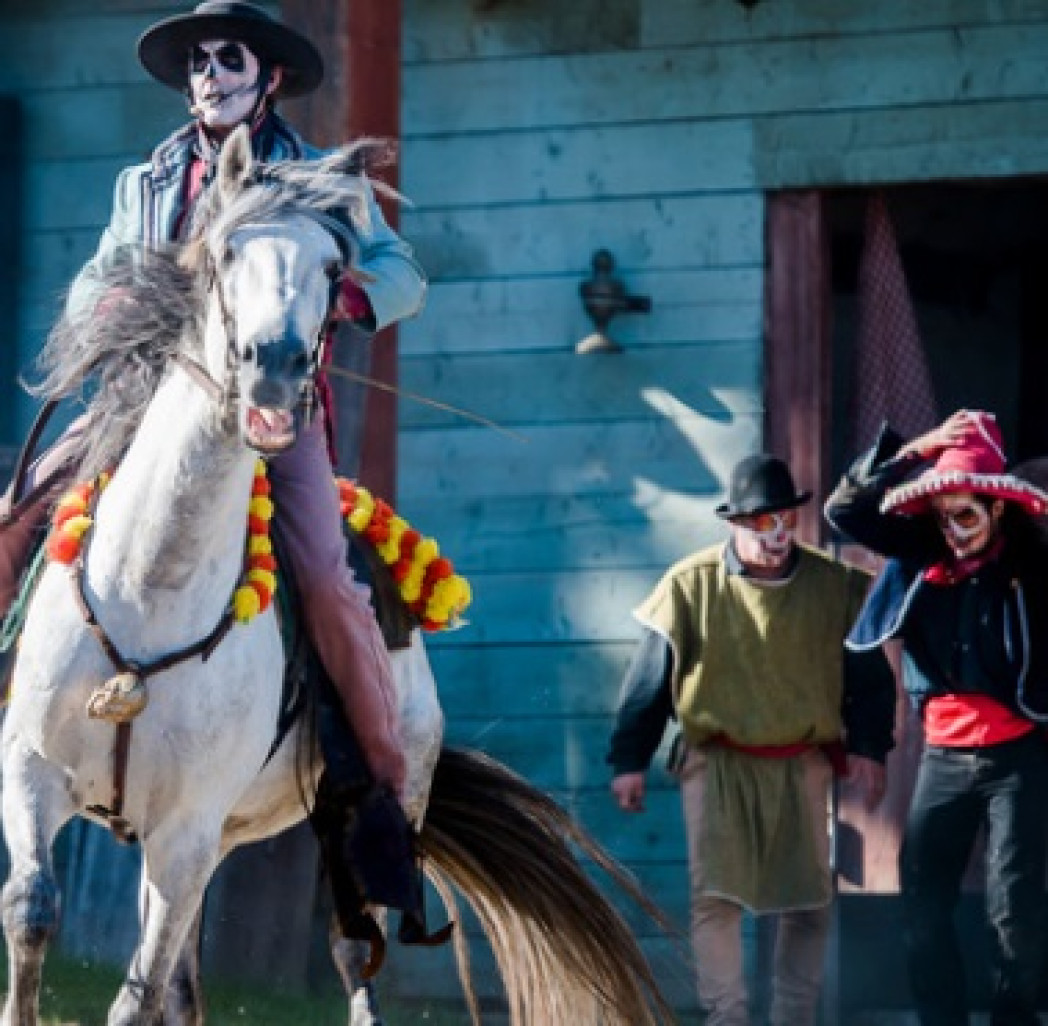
(953, 571)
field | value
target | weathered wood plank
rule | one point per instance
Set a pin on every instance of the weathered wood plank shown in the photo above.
(36, 56)
(674, 450)
(100, 122)
(684, 23)
(527, 681)
(546, 313)
(462, 29)
(69, 195)
(559, 239)
(30, 9)
(444, 30)
(569, 759)
(994, 138)
(541, 166)
(653, 836)
(715, 380)
(649, 527)
(728, 80)
(555, 606)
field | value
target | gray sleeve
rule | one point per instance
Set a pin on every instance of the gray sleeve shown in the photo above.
(645, 705)
(124, 229)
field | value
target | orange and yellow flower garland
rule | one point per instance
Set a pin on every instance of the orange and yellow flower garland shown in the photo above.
(72, 519)
(427, 581)
(259, 586)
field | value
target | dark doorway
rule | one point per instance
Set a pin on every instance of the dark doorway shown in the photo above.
(975, 258)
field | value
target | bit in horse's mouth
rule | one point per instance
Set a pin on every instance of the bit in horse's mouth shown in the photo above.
(270, 429)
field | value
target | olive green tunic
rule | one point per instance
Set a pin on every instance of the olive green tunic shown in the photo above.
(760, 663)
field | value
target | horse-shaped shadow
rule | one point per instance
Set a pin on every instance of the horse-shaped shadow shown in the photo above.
(160, 564)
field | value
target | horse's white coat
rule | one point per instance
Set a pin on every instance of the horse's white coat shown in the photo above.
(165, 554)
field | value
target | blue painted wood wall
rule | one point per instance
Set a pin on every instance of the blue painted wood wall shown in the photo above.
(535, 133)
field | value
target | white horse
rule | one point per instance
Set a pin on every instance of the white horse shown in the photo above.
(242, 314)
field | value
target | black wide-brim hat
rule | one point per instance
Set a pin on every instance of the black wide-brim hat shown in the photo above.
(761, 484)
(164, 48)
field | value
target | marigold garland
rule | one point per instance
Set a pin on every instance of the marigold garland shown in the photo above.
(427, 580)
(259, 585)
(72, 520)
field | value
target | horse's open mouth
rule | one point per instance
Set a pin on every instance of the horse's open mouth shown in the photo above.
(270, 429)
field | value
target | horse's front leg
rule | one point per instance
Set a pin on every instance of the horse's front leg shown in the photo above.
(36, 803)
(184, 1004)
(179, 859)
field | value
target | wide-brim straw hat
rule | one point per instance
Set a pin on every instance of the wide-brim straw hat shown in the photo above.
(164, 48)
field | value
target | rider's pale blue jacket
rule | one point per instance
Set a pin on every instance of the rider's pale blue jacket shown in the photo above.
(149, 201)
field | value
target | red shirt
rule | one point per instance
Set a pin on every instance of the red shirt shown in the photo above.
(971, 721)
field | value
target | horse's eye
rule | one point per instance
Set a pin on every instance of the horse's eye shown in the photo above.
(248, 354)
(333, 269)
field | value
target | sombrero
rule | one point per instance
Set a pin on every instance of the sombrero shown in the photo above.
(976, 465)
(164, 48)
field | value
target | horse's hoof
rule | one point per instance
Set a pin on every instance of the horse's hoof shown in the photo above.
(119, 700)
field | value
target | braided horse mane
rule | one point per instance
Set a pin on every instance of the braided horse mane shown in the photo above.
(111, 351)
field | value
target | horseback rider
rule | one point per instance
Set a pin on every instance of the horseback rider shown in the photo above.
(233, 61)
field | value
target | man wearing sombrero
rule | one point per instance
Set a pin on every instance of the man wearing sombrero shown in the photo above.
(965, 591)
(743, 642)
(232, 61)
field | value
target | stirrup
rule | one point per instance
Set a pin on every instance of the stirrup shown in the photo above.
(119, 700)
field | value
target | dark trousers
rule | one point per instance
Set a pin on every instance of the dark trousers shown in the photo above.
(1004, 789)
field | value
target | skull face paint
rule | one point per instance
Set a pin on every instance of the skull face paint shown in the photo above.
(765, 540)
(223, 83)
(968, 525)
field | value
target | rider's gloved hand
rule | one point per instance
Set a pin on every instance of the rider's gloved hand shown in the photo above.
(352, 303)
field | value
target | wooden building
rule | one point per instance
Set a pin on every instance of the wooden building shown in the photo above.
(724, 153)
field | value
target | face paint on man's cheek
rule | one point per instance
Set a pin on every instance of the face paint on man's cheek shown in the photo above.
(775, 541)
(224, 91)
(967, 531)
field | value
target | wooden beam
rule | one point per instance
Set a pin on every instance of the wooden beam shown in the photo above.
(797, 348)
(360, 43)
(373, 33)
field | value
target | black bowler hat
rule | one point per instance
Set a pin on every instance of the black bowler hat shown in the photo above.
(164, 48)
(761, 484)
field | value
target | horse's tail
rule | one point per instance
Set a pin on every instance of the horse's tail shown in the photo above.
(565, 954)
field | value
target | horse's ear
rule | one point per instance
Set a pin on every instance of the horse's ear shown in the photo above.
(235, 163)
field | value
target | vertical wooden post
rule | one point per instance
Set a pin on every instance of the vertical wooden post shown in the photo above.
(373, 66)
(797, 349)
(360, 43)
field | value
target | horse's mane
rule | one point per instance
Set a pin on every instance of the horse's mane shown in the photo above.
(112, 350)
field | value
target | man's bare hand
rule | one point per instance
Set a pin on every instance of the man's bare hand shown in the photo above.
(869, 777)
(948, 435)
(629, 791)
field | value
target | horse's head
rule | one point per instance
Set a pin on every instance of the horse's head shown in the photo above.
(276, 242)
